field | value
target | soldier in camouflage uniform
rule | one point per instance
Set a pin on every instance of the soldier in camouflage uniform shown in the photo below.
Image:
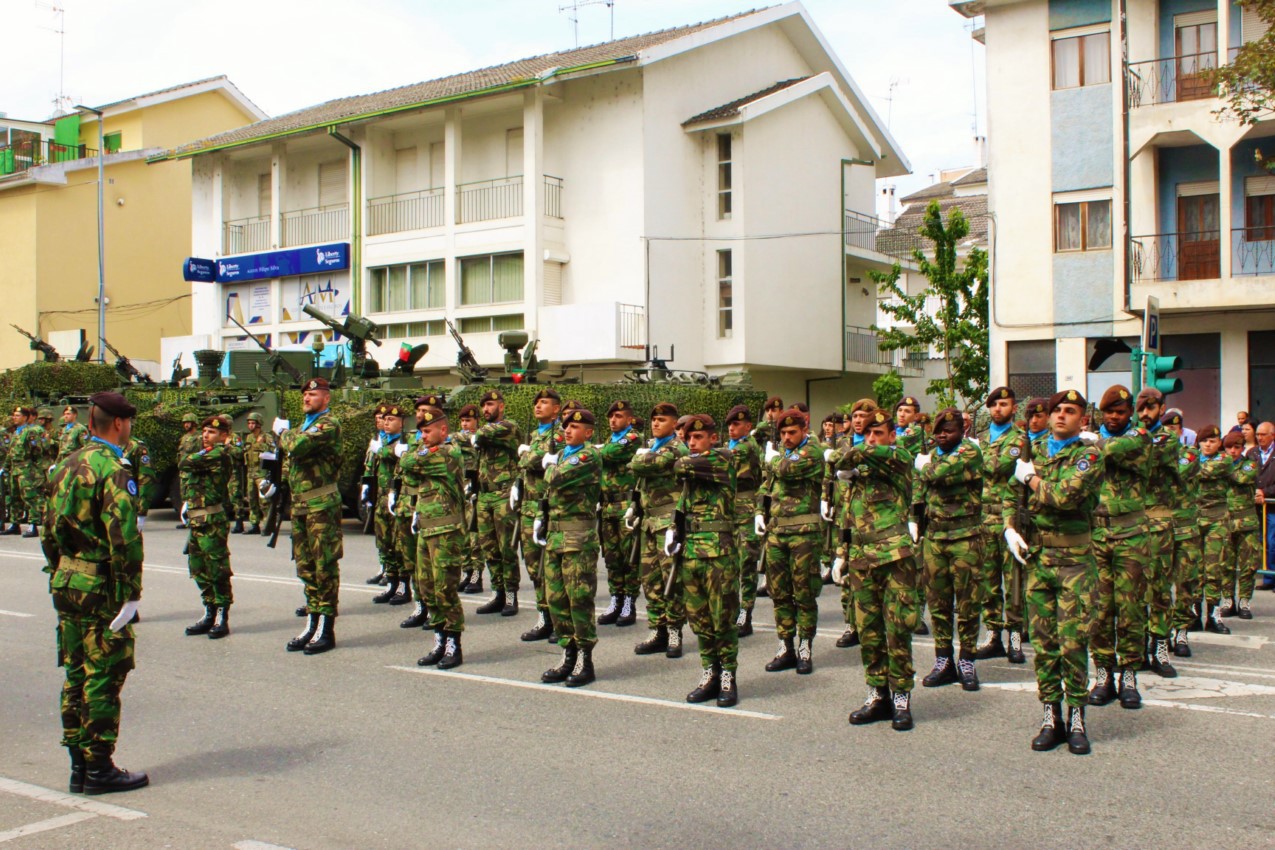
(28, 462)
(471, 580)
(236, 507)
(73, 435)
(883, 572)
(793, 476)
(12, 498)
(258, 442)
(1002, 579)
(1122, 551)
(439, 525)
(710, 566)
(497, 443)
(657, 490)
(380, 471)
(909, 434)
(616, 539)
(1188, 587)
(1036, 419)
(746, 459)
(766, 432)
(573, 485)
(1244, 551)
(1058, 489)
(208, 473)
(1213, 480)
(947, 499)
(191, 441)
(91, 534)
(1163, 485)
(313, 454)
(525, 498)
(845, 490)
(139, 457)
(401, 495)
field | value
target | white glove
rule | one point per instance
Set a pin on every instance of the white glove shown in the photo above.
(548, 460)
(127, 611)
(269, 456)
(416, 522)
(523, 449)
(771, 452)
(185, 508)
(49, 471)
(973, 440)
(391, 501)
(642, 451)
(1017, 545)
(141, 522)
(400, 448)
(374, 445)
(1089, 438)
(759, 525)
(630, 518)
(671, 544)
(363, 495)
(846, 474)
(280, 425)
(838, 570)
(825, 510)
(266, 489)
(913, 530)
(827, 455)
(473, 440)
(1023, 469)
(536, 528)
(513, 496)
(921, 462)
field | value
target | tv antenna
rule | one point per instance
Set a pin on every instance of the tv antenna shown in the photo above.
(895, 82)
(61, 101)
(573, 14)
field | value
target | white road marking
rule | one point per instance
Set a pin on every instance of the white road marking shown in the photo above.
(14, 613)
(45, 825)
(58, 798)
(257, 845)
(559, 689)
(1171, 700)
(1231, 640)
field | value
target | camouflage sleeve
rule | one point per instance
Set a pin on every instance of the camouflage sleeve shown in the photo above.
(619, 453)
(654, 463)
(325, 433)
(999, 466)
(711, 467)
(574, 476)
(499, 434)
(805, 464)
(1244, 472)
(205, 458)
(1074, 486)
(964, 464)
(444, 465)
(119, 518)
(144, 474)
(1213, 468)
(1130, 450)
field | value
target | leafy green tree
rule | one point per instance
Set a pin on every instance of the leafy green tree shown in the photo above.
(1247, 83)
(957, 330)
(888, 389)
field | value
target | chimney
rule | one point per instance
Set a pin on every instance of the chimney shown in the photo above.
(980, 151)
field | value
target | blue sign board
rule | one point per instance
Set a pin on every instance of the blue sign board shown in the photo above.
(197, 269)
(289, 263)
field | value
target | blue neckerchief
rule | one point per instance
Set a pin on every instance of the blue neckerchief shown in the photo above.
(119, 452)
(995, 432)
(661, 442)
(1056, 445)
(1033, 436)
(858, 438)
(311, 417)
(900, 430)
(544, 429)
(941, 453)
(21, 428)
(570, 450)
(389, 438)
(1204, 457)
(791, 452)
(67, 426)
(733, 444)
(1107, 435)
(617, 437)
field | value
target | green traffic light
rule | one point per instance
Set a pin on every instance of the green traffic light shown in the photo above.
(1158, 368)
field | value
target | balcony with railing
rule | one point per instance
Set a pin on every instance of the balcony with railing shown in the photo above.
(487, 200)
(1176, 256)
(863, 349)
(315, 225)
(31, 153)
(1253, 251)
(1172, 79)
(406, 211)
(871, 234)
(246, 235)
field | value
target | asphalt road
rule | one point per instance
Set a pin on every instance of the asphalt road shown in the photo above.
(250, 746)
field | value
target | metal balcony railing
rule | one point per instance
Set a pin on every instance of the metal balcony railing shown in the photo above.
(31, 153)
(870, 233)
(244, 235)
(884, 320)
(553, 196)
(864, 347)
(405, 211)
(485, 200)
(631, 326)
(1253, 251)
(315, 225)
(1176, 256)
(1171, 79)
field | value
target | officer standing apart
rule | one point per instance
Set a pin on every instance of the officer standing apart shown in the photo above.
(207, 473)
(497, 444)
(91, 531)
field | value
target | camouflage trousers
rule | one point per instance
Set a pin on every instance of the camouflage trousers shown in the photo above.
(495, 537)
(661, 610)
(385, 528)
(953, 570)
(317, 547)
(532, 557)
(1058, 600)
(1187, 572)
(1215, 543)
(887, 608)
(792, 575)
(571, 583)
(254, 510)
(711, 590)
(617, 544)
(748, 553)
(405, 544)
(1119, 627)
(31, 485)
(1002, 606)
(96, 662)
(1159, 599)
(235, 508)
(1246, 553)
(439, 559)
(209, 559)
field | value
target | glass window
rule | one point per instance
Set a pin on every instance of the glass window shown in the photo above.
(725, 311)
(1082, 226)
(724, 177)
(491, 279)
(112, 141)
(1083, 60)
(491, 324)
(418, 286)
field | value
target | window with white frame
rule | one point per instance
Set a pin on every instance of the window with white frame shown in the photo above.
(1083, 59)
(724, 176)
(1082, 225)
(491, 279)
(492, 324)
(725, 295)
(410, 286)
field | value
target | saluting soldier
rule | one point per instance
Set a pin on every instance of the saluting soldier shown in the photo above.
(27, 462)
(1240, 576)
(74, 435)
(91, 533)
(845, 490)
(766, 431)
(1163, 485)
(525, 498)
(208, 473)
(191, 441)
(381, 469)
(497, 443)
(1186, 561)
(908, 432)
(710, 566)
(258, 442)
(745, 457)
(1059, 488)
(1214, 481)
(1002, 580)
(401, 495)
(618, 481)
(471, 581)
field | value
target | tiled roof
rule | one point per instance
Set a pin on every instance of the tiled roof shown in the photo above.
(900, 238)
(522, 71)
(178, 87)
(978, 175)
(934, 190)
(727, 110)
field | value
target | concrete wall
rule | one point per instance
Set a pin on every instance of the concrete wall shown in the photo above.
(18, 273)
(1064, 14)
(1081, 137)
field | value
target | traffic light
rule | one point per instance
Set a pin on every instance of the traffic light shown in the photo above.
(1158, 368)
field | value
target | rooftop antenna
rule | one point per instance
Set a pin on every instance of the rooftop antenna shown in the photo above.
(61, 101)
(895, 82)
(573, 14)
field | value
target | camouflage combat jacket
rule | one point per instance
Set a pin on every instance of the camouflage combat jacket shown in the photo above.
(878, 509)
(913, 439)
(1163, 483)
(1240, 495)
(708, 501)
(254, 446)
(530, 464)
(207, 474)
(497, 445)
(793, 480)
(382, 465)
(1063, 506)
(1122, 494)
(27, 454)
(1186, 498)
(572, 488)
(950, 487)
(72, 437)
(746, 459)
(618, 479)
(313, 463)
(1213, 480)
(656, 485)
(440, 502)
(139, 459)
(999, 457)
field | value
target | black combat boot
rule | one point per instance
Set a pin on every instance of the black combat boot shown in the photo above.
(1181, 648)
(582, 672)
(33, 531)
(611, 614)
(1014, 653)
(391, 588)
(1214, 623)
(302, 611)
(452, 656)
(1051, 729)
(710, 685)
(181, 526)
(1077, 740)
(255, 528)
(991, 647)
(475, 584)
(511, 604)
(404, 594)
(378, 578)
(657, 642)
(921, 628)
(901, 721)
(876, 707)
(674, 649)
(76, 785)
(465, 578)
(103, 777)
(805, 656)
(540, 631)
(1197, 622)
(785, 658)
(495, 605)
(434, 655)
(966, 673)
(221, 623)
(849, 638)
(1129, 696)
(1227, 607)
(628, 612)
(238, 529)
(1104, 687)
(728, 695)
(1158, 660)
(554, 675)
(1245, 612)
(14, 528)
(744, 622)
(204, 623)
(944, 672)
(324, 636)
(419, 617)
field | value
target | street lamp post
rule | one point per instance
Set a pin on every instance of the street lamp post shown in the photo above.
(101, 233)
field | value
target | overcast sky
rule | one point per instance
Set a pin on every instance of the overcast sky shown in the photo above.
(287, 54)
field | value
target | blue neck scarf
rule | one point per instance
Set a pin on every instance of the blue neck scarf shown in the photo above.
(1033, 436)
(942, 453)
(389, 438)
(67, 426)
(1153, 427)
(661, 442)
(116, 450)
(21, 428)
(1107, 435)
(617, 437)
(544, 427)
(310, 418)
(570, 450)
(995, 432)
(900, 430)
(1056, 445)
(791, 452)
(858, 438)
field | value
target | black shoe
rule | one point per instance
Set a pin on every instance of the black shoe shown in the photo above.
(876, 707)
(1077, 740)
(966, 673)
(628, 612)
(1051, 729)
(1158, 660)
(850, 637)
(992, 648)
(921, 628)
(255, 528)
(452, 656)
(1197, 623)
(299, 642)
(744, 622)
(1014, 652)
(419, 617)
(785, 658)
(612, 613)
(554, 675)
(674, 643)
(1129, 696)
(33, 531)
(1228, 608)
(657, 642)
(710, 685)
(1104, 687)
(943, 673)
(465, 578)
(378, 578)
(76, 785)
(1245, 612)
(434, 655)
(103, 777)
(17, 529)
(221, 623)
(511, 604)
(203, 624)
(324, 636)
(391, 588)
(728, 695)
(404, 594)
(540, 631)
(475, 584)
(301, 611)
(181, 526)
(805, 659)
(902, 719)
(494, 605)
(238, 529)
(1181, 648)
(1214, 623)
(582, 672)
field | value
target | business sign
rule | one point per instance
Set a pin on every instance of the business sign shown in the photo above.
(289, 263)
(198, 269)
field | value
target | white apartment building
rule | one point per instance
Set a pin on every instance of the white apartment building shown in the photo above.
(1102, 194)
(705, 187)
